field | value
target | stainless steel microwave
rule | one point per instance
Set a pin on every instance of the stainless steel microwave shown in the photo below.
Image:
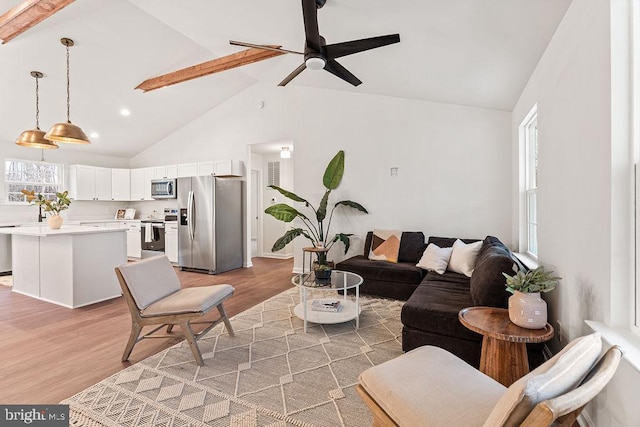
(164, 188)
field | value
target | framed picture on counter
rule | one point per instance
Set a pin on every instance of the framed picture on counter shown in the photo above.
(120, 213)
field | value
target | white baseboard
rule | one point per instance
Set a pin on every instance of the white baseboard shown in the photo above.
(247, 264)
(297, 270)
(278, 256)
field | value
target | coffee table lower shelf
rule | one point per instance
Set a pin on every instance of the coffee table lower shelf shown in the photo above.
(347, 312)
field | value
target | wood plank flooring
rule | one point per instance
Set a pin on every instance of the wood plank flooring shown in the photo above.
(48, 352)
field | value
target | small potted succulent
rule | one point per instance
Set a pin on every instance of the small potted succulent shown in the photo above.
(54, 206)
(526, 308)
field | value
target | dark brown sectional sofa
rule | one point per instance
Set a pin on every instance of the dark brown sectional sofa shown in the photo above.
(430, 314)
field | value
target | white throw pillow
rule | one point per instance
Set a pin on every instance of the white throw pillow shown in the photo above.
(463, 257)
(435, 259)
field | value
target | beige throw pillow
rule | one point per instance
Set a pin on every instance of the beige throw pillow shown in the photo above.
(435, 259)
(385, 245)
(463, 257)
(556, 376)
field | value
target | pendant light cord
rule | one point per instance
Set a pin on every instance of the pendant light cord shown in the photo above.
(37, 105)
(68, 95)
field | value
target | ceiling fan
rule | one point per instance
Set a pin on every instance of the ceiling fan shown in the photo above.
(318, 55)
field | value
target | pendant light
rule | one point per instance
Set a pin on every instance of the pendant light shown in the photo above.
(35, 137)
(67, 132)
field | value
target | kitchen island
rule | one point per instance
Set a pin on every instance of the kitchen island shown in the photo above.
(71, 267)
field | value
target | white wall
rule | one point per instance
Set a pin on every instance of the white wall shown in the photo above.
(584, 230)
(77, 210)
(454, 161)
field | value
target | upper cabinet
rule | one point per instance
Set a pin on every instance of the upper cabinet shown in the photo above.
(120, 184)
(89, 183)
(96, 183)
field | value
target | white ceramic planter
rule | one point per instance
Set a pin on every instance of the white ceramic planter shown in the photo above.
(528, 310)
(54, 221)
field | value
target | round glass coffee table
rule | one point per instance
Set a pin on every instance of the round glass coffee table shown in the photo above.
(322, 310)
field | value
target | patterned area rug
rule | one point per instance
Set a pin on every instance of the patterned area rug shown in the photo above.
(270, 374)
(6, 281)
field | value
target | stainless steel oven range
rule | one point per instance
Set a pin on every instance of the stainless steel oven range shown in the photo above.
(152, 235)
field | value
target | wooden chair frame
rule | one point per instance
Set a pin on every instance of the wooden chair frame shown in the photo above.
(565, 408)
(184, 320)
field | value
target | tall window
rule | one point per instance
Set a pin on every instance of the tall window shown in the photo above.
(530, 134)
(41, 177)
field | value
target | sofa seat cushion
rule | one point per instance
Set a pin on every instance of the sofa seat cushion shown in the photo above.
(401, 272)
(434, 308)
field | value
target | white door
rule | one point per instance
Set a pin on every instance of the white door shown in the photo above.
(255, 206)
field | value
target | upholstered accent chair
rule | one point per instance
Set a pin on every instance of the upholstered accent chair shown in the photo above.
(429, 386)
(153, 293)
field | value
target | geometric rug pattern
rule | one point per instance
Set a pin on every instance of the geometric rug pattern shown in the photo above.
(6, 280)
(270, 373)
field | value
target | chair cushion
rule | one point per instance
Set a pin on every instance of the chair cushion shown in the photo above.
(190, 300)
(558, 375)
(429, 386)
(150, 280)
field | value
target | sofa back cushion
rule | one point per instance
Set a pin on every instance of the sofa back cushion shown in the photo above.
(447, 242)
(412, 246)
(487, 285)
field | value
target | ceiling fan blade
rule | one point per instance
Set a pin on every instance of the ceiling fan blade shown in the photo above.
(338, 70)
(263, 46)
(220, 64)
(311, 30)
(338, 50)
(293, 74)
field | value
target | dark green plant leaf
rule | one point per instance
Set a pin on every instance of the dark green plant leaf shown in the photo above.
(283, 212)
(288, 194)
(354, 205)
(344, 238)
(321, 214)
(288, 238)
(333, 173)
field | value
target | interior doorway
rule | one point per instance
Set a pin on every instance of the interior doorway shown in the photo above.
(256, 184)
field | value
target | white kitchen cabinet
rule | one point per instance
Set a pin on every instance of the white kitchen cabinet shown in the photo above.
(171, 241)
(159, 172)
(89, 183)
(205, 168)
(228, 168)
(120, 184)
(141, 183)
(134, 247)
(187, 169)
(172, 171)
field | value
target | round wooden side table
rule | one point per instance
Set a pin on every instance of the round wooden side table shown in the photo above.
(504, 349)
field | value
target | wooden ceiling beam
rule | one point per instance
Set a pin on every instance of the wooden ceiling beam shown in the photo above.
(26, 15)
(214, 66)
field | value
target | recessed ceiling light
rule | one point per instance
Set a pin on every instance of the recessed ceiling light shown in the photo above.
(94, 135)
(125, 112)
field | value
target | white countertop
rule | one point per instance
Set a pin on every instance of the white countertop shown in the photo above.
(66, 221)
(44, 230)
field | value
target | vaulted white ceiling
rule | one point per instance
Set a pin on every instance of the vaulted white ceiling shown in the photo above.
(468, 52)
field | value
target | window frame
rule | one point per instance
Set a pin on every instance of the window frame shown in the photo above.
(529, 184)
(635, 135)
(7, 182)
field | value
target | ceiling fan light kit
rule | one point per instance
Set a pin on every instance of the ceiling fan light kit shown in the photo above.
(67, 133)
(35, 137)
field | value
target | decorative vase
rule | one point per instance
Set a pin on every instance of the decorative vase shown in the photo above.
(55, 222)
(528, 310)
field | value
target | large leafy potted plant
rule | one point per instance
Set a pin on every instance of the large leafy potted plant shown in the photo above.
(54, 206)
(315, 229)
(526, 308)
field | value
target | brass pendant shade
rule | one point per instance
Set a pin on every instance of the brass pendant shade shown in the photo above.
(67, 132)
(35, 137)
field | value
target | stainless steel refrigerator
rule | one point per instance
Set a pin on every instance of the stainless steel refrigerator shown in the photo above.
(210, 224)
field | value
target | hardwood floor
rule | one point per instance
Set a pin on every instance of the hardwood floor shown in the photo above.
(50, 352)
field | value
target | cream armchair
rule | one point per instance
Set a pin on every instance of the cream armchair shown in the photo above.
(431, 387)
(154, 296)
